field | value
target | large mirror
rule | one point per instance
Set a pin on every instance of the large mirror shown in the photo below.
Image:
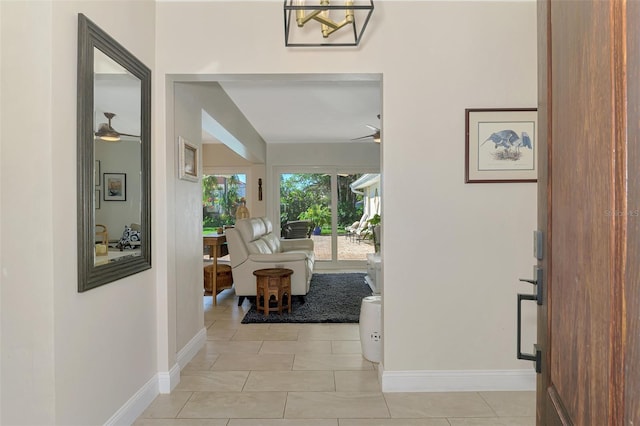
(114, 157)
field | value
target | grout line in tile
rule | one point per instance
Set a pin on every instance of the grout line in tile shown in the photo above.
(487, 402)
(183, 405)
(246, 380)
(286, 400)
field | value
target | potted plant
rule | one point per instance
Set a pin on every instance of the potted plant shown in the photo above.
(318, 215)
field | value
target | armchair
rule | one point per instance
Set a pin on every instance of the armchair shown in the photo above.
(253, 245)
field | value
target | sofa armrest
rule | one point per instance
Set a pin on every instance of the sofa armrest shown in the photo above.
(297, 244)
(278, 257)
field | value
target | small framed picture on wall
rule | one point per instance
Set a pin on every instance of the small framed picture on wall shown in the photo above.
(115, 186)
(188, 158)
(501, 145)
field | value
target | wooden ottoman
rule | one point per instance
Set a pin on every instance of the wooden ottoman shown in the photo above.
(223, 281)
(274, 282)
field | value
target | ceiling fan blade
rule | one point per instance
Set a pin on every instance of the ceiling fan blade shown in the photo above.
(374, 128)
(365, 137)
(127, 134)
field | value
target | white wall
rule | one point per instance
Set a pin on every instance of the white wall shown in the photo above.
(27, 355)
(452, 252)
(67, 358)
(218, 155)
(188, 226)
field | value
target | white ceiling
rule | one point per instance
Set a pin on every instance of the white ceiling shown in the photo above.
(294, 108)
(307, 110)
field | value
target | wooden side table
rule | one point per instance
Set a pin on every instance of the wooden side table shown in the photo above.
(274, 282)
(217, 248)
(214, 284)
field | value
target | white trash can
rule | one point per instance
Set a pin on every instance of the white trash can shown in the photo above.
(371, 328)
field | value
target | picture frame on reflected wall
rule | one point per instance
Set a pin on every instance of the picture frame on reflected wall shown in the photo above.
(501, 145)
(115, 186)
(96, 173)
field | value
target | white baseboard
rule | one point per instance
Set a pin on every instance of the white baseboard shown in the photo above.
(162, 382)
(168, 380)
(456, 380)
(186, 354)
(135, 406)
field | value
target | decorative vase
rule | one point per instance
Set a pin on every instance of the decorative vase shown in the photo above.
(242, 212)
(317, 230)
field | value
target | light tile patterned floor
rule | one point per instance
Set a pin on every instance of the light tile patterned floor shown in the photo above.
(308, 375)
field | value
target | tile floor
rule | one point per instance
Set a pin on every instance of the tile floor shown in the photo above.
(308, 375)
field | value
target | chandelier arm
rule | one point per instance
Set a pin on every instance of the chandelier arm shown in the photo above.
(302, 19)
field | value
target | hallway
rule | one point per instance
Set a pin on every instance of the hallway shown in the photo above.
(308, 375)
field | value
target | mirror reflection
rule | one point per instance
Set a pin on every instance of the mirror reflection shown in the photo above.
(114, 159)
(117, 156)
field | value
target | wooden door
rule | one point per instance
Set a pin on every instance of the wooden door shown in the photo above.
(588, 209)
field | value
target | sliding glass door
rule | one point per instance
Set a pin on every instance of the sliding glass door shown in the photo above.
(305, 203)
(332, 208)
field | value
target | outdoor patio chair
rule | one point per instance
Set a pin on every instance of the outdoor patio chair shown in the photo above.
(350, 229)
(297, 229)
(363, 232)
(353, 230)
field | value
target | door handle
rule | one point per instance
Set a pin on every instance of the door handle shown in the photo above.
(537, 357)
(537, 297)
(537, 283)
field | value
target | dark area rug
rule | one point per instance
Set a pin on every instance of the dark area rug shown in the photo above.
(332, 298)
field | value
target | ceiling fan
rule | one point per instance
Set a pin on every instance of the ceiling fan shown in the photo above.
(375, 135)
(107, 133)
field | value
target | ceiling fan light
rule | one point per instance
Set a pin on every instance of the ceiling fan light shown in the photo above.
(107, 134)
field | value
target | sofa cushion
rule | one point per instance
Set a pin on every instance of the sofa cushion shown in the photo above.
(259, 247)
(273, 242)
(267, 225)
(251, 229)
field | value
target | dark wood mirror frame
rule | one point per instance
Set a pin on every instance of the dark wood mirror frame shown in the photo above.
(90, 275)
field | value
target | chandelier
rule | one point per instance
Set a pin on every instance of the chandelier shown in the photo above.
(316, 22)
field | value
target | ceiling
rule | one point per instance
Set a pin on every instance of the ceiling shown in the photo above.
(292, 108)
(307, 110)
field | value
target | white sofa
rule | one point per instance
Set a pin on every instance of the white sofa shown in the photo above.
(253, 245)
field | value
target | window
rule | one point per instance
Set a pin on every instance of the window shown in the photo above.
(221, 196)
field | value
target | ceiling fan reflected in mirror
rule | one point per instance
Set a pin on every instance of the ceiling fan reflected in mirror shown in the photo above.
(107, 133)
(375, 135)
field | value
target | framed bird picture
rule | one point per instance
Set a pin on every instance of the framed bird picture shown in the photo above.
(501, 145)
